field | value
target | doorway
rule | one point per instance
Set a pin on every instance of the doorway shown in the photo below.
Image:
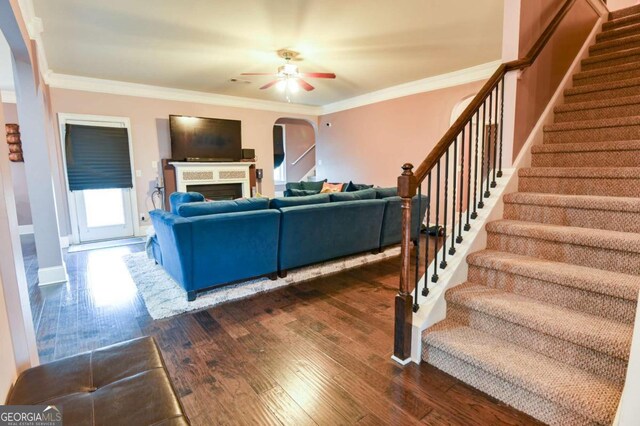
(100, 209)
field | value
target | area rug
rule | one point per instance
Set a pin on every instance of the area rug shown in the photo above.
(164, 298)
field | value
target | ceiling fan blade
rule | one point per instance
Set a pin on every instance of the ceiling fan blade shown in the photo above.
(269, 84)
(258, 73)
(318, 74)
(306, 86)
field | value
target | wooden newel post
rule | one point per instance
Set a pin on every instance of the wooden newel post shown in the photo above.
(407, 186)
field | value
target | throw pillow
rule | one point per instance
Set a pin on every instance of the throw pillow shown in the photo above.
(312, 186)
(299, 192)
(328, 188)
(293, 185)
(364, 194)
(278, 203)
(386, 192)
(351, 187)
(215, 207)
(179, 198)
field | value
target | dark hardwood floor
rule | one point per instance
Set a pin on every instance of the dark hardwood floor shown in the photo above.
(315, 353)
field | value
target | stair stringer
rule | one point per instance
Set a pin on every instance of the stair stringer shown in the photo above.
(433, 307)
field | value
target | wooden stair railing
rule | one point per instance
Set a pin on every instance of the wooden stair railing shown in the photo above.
(487, 107)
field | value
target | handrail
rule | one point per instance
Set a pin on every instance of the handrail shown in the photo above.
(518, 64)
(479, 142)
(303, 154)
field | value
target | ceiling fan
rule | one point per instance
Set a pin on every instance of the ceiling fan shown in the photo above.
(289, 78)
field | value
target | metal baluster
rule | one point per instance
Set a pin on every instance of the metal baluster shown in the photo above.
(464, 137)
(452, 249)
(425, 289)
(487, 193)
(434, 278)
(475, 168)
(416, 306)
(467, 226)
(443, 263)
(484, 137)
(501, 123)
(495, 142)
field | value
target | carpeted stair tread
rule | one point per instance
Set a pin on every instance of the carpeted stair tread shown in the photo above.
(613, 284)
(609, 73)
(614, 45)
(598, 104)
(612, 58)
(601, 87)
(633, 145)
(621, 22)
(582, 329)
(570, 387)
(587, 202)
(597, 238)
(582, 172)
(627, 11)
(618, 32)
(604, 123)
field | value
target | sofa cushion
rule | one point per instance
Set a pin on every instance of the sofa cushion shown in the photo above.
(278, 203)
(299, 192)
(386, 192)
(230, 206)
(293, 185)
(312, 186)
(351, 187)
(364, 194)
(179, 198)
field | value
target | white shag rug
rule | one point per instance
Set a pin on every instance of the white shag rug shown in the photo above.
(164, 297)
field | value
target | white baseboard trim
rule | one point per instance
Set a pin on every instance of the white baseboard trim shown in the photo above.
(433, 307)
(401, 361)
(52, 275)
(25, 229)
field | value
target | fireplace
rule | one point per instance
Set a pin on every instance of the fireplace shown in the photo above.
(219, 191)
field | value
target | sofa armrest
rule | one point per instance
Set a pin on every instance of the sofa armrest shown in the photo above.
(174, 237)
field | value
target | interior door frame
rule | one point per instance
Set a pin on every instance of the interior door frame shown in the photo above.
(63, 118)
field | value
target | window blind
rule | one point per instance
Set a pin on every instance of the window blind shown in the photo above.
(97, 157)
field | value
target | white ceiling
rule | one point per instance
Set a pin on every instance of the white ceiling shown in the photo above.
(201, 44)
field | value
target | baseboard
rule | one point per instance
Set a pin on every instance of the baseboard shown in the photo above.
(25, 229)
(401, 361)
(52, 275)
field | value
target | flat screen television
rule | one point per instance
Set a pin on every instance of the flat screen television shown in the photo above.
(204, 139)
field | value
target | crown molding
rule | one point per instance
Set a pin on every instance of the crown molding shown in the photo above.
(442, 81)
(8, 96)
(35, 27)
(96, 85)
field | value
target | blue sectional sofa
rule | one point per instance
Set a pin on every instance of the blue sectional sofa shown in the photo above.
(209, 244)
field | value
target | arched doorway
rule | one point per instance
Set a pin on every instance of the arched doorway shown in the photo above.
(294, 153)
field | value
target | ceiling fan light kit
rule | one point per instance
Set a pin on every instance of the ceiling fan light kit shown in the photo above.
(289, 78)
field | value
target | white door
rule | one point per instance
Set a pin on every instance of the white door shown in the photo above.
(100, 214)
(104, 214)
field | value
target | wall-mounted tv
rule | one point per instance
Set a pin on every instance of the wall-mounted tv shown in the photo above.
(205, 139)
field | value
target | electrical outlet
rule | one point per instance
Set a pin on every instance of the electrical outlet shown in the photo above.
(143, 217)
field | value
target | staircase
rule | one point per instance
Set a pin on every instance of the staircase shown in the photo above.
(545, 319)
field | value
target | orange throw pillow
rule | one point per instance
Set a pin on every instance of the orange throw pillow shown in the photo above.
(328, 188)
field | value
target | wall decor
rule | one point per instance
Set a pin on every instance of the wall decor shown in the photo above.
(15, 144)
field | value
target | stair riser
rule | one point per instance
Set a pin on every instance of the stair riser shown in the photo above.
(580, 186)
(597, 113)
(612, 47)
(587, 159)
(579, 218)
(593, 257)
(623, 22)
(528, 402)
(603, 94)
(595, 362)
(623, 74)
(620, 133)
(589, 65)
(549, 292)
(618, 33)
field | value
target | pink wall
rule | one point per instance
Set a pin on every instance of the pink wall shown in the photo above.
(18, 174)
(300, 135)
(369, 144)
(150, 130)
(540, 81)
